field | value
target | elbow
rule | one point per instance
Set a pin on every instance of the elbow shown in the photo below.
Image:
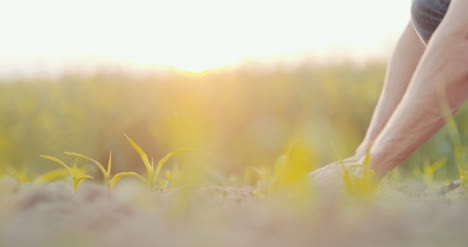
(457, 68)
(445, 29)
(451, 49)
(447, 60)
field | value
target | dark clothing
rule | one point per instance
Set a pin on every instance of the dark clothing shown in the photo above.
(426, 16)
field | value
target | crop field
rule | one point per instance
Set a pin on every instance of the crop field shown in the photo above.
(216, 159)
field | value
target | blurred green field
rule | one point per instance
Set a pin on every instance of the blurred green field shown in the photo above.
(235, 118)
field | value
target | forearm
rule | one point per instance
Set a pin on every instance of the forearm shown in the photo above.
(400, 69)
(440, 81)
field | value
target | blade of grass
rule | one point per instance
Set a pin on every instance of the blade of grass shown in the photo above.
(109, 164)
(52, 175)
(101, 167)
(56, 160)
(143, 157)
(164, 160)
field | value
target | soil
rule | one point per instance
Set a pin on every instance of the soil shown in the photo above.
(403, 214)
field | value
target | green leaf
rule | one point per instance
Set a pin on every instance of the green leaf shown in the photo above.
(101, 167)
(52, 175)
(56, 160)
(144, 157)
(169, 175)
(20, 175)
(161, 185)
(78, 181)
(109, 164)
(164, 160)
(118, 176)
(438, 164)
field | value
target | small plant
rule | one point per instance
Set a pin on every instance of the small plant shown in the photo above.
(288, 171)
(363, 184)
(456, 138)
(109, 180)
(73, 171)
(20, 175)
(55, 175)
(153, 173)
(430, 169)
(164, 183)
(395, 175)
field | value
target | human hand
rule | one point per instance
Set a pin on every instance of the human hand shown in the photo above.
(361, 151)
(331, 177)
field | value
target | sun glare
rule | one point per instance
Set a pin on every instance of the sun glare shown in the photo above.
(194, 36)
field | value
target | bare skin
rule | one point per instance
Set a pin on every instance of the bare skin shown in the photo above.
(420, 82)
(405, 58)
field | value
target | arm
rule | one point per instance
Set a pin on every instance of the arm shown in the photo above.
(405, 58)
(440, 78)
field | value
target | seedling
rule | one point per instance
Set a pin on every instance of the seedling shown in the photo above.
(364, 185)
(73, 171)
(289, 170)
(21, 175)
(54, 175)
(454, 134)
(109, 180)
(152, 174)
(165, 182)
(430, 169)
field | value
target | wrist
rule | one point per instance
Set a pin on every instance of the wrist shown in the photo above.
(382, 161)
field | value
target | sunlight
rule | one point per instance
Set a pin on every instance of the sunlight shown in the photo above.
(195, 36)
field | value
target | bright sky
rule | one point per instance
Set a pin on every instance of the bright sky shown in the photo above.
(191, 35)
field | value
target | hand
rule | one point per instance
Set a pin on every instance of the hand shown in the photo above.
(361, 151)
(331, 177)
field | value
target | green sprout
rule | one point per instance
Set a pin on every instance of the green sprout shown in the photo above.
(73, 171)
(430, 169)
(21, 175)
(363, 185)
(153, 173)
(109, 180)
(289, 171)
(456, 138)
(54, 175)
(164, 183)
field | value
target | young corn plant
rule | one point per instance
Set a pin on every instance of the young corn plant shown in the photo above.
(108, 178)
(20, 175)
(454, 134)
(458, 150)
(395, 175)
(55, 174)
(430, 169)
(73, 171)
(152, 173)
(164, 183)
(362, 185)
(288, 172)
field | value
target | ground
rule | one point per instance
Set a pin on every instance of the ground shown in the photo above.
(402, 214)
